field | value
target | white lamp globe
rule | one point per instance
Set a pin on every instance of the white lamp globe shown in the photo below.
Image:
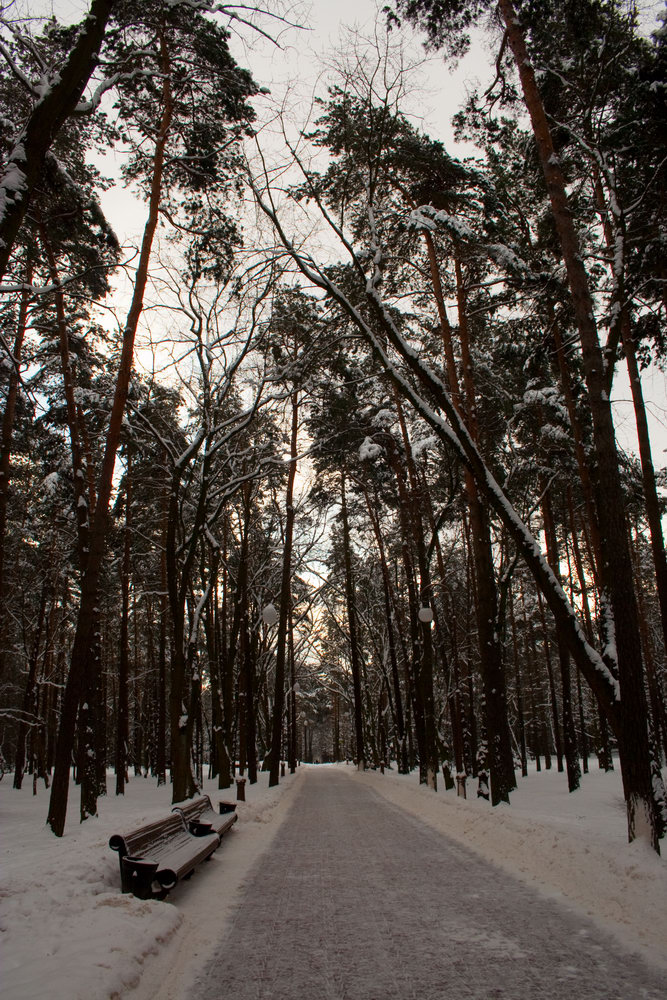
(426, 615)
(270, 615)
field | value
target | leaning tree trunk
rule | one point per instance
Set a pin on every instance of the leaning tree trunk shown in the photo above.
(625, 716)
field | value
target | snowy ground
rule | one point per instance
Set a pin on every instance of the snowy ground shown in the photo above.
(66, 931)
(573, 847)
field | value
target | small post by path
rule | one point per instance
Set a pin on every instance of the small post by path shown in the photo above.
(240, 789)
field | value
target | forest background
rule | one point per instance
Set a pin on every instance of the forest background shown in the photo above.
(326, 466)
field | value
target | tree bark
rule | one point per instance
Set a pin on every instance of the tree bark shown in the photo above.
(355, 658)
(519, 691)
(499, 748)
(122, 711)
(391, 638)
(285, 602)
(653, 515)
(569, 736)
(83, 648)
(6, 448)
(616, 569)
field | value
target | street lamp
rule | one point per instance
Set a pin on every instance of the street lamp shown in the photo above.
(270, 615)
(426, 614)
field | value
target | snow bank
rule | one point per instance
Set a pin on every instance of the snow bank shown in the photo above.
(572, 847)
(68, 933)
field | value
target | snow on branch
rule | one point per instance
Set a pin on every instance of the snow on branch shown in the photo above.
(451, 429)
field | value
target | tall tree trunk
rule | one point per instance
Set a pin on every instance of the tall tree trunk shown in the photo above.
(355, 658)
(213, 653)
(569, 736)
(519, 691)
(6, 449)
(90, 713)
(653, 515)
(90, 708)
(83, 648)
(225, 745)
(552, 686)
(163, 605)
(285, 602)
(622, 328)
(81, 502)
(616, 569)
(122, 712)
(391, 637)
(246, 658)
(291, 748)
(28, 714)
(424, 663)
(499, 747)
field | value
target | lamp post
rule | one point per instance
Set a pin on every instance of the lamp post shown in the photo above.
(425, 614)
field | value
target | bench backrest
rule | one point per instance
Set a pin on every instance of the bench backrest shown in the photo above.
(191, 811)
(153, 835)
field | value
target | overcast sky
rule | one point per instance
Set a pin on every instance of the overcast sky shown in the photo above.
(302, 56)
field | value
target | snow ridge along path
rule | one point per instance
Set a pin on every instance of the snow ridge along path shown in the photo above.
(358, 900)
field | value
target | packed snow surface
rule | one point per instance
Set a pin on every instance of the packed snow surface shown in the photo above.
(67, 932)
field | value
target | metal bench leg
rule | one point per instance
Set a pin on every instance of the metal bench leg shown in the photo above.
(137, 876)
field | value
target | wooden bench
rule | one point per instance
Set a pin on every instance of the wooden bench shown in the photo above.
(200, 817)
(160, 854)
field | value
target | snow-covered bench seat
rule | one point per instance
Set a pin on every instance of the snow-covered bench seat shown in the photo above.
(200, 817)
(153, 858)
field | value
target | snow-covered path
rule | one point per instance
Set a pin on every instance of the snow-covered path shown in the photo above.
(357, 900)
